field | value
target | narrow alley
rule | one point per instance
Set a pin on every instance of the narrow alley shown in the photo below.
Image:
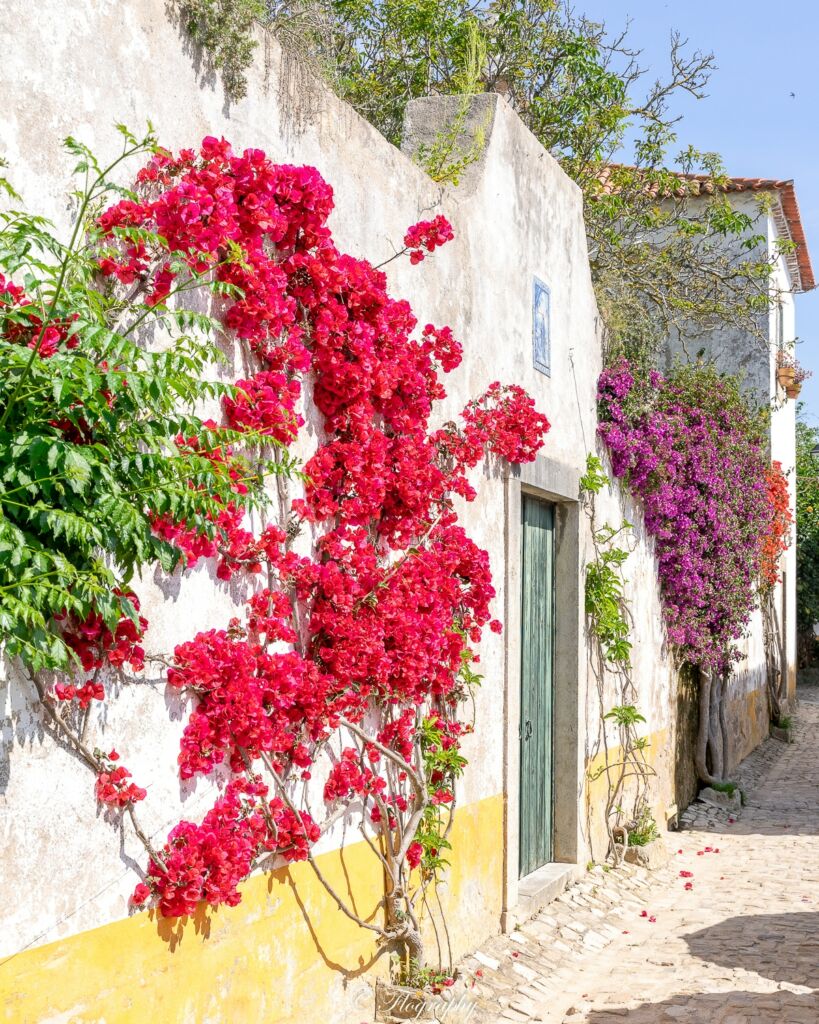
(409, 512)
(727, 932)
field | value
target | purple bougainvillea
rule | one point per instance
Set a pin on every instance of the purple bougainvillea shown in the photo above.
(694, 453)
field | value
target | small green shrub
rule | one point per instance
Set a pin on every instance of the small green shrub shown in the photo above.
(413, 975)
(644, 830)
(725, 787)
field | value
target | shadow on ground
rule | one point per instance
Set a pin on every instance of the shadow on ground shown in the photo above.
(787, 822)
(718, 1008)
(780, 947)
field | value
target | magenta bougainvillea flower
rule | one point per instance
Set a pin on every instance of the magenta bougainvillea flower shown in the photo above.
(694, 453)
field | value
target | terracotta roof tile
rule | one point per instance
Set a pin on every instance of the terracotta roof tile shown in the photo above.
(787, 216)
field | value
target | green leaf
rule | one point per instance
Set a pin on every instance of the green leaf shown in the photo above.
(77, 470)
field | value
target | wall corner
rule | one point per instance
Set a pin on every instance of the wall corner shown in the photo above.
(463, 123)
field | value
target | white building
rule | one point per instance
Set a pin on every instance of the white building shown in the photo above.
(70, 948)
(755, 358)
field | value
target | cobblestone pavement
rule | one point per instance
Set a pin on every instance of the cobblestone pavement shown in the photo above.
(726, 933)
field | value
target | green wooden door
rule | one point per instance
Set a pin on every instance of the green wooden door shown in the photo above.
(537, 655)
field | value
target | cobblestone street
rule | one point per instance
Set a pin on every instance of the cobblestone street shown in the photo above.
(727, 933)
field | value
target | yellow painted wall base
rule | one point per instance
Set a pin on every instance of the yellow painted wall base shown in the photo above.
(285, 954)
(748, 720)
(660, 787)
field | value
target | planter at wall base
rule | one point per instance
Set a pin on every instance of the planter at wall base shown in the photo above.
(793, 390)
(395, 1003)
(719, 798)
(784, 735)
(786, 376)
(399, 1002)
(652, 856)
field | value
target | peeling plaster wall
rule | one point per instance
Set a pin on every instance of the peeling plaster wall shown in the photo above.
(516, 216)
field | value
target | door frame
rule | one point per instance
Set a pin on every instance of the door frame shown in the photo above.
(536, 827)
(558, 484)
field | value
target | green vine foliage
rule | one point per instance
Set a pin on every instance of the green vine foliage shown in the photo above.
(609, 628)
(224, 29)
(594, 479)
(92, 437)
(604, 597)
(443, 764)
(626, 716)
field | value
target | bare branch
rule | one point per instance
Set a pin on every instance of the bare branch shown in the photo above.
(395, 757)
(312, 860)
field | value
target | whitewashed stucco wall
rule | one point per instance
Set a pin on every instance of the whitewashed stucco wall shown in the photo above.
(78, 68)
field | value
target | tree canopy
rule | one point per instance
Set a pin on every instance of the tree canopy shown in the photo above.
(662, 258)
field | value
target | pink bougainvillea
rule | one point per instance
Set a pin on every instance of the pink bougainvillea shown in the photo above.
(368, 593)
(426, 236)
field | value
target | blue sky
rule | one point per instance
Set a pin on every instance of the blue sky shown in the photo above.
(764, 52)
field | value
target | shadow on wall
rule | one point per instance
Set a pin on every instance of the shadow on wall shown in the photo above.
(173, 930)
(301, 90)
(204, 71)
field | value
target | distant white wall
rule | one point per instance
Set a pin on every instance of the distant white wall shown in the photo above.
(753, 359)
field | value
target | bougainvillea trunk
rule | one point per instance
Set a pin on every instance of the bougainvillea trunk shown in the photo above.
(705, 727)
(773, 656)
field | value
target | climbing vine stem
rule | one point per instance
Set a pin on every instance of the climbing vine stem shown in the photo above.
(626, 771)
